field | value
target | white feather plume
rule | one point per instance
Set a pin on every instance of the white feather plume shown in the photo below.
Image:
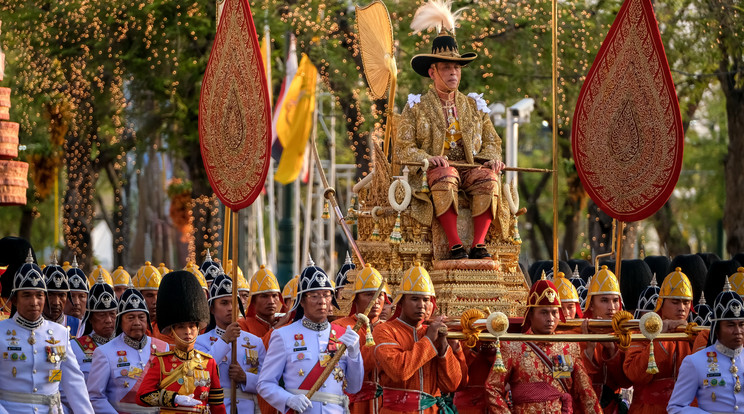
(436, 14)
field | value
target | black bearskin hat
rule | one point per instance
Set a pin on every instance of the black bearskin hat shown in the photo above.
(709, 258)
(694, 267)
(659, 265)
(718, 274)
(635, 276)
(181, 299)
(580, 263)
(13, 253)
(547, 267)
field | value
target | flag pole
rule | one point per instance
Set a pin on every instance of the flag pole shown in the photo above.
(234, 350)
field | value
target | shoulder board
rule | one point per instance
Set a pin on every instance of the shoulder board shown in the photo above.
(162, 354)
(413, 99)
(204, 354)
(480, 103)
(86, 342)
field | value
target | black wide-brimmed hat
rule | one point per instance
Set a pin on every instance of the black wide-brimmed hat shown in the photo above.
(55, 277)
(210, 268)
(728, 306)
(703, 312)
(342, 274)
(312, 278)
(443, 49)
(181, 299)
(131, 301)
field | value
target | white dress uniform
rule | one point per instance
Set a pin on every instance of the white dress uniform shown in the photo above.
(83, 348)
(115, 370)
(251, 354)
(706, 375)
(36, 364)
(293, 352)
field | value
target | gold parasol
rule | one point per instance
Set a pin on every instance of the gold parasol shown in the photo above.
(376, 44)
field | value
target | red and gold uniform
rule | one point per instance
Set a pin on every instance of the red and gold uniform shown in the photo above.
(470, 398)
(651, 392)
(182, 373)
(543, 377)
(412, 374)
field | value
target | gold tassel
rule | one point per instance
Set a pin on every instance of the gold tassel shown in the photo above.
(326, 214)
(424, 182)
(395, 236)
(375, 232)
(652, 368)
(498, 363)
(370, 340)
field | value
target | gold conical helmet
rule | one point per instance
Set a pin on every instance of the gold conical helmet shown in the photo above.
(99, 271)
(603, 282)
(290, 289)
(163, 270)
(121, 277)
(675, 286)
(147, 278)
(264, 281)
(192, 268)
(737, 281)
(566, 290)
(368, 280)
(416, 281)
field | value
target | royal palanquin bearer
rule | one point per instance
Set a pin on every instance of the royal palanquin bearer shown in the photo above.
(121, 279)
(651, 392)
(713, 374)
(58, 290)
(183, 376)
(298, 353)
(99, 324)
(289, 292)
(217, 342)
(570, 302)
(37, 360)
(265, 301)
(545, 377)
(366, 284)
(77, 299)
(737, 285)
(147, 281)
(445, 125)
(211, 269)
(604, 361)
(417, 364)
(119, 364)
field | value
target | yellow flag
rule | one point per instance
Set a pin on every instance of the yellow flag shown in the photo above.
(295, 121)
(266, 57)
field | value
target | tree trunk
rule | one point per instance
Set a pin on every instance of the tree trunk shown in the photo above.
(670, 235)
(27, 222)
(206, 212)
(733, 212)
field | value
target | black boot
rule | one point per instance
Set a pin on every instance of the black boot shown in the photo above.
(458, 252)
(479, 252)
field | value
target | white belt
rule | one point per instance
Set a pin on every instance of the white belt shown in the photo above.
(242, 395)
(325, 397)
(135, 409)
(52, 401)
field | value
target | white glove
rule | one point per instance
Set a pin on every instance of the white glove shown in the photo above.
(299, 403)
(351, 340)
(187, 400)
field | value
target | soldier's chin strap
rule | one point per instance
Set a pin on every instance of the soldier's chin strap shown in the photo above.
(447, 91)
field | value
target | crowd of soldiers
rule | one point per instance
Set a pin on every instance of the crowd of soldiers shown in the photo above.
(161, 341)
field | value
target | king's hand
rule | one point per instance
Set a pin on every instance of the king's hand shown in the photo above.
(495, 165)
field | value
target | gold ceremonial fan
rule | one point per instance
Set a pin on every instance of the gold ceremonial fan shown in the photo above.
(376, 44)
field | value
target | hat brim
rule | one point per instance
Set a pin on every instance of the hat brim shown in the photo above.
(421, 63)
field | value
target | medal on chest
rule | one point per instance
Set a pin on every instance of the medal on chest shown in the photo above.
(251, 356)
(562, 366)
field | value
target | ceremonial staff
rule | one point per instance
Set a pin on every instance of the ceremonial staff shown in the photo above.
(235, 124)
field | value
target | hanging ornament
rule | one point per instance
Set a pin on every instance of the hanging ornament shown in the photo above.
(424, 177)
(650, 325)
(497, 324)
(375, 232)
(395, 235)
(326, 214)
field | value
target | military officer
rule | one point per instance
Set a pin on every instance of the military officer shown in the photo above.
(99, 324)
(298, 353)
(118, 364)
(78, 296)
(217, 342)
(183, 376)
(58, 289)
(37, 357)
(712, 375)
(210, 269)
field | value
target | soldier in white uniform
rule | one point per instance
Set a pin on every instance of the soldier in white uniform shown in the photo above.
(77, 298)
(218, 343)
(118, 364)
(99, 324)
(37, 356)
(713, 374)
(58, 291)
(299, 352)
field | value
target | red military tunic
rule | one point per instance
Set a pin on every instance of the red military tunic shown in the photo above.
(651, 393)
(182, 373)
(409, 366)
(534, 386)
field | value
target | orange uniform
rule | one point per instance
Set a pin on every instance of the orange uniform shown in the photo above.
(607, 375)
(534, 386)
(651, 393)
(367, 400)
(701, 341)
(412, 375)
